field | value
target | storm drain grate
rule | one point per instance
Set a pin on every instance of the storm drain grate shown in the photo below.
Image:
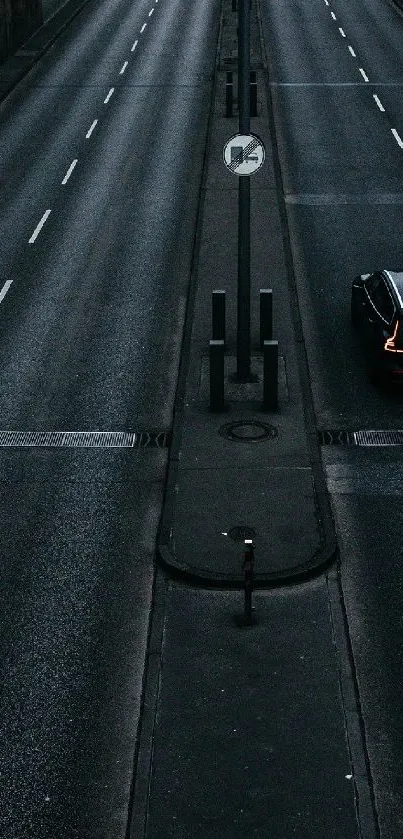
(378, 438)
(87, 439)
(366, 437)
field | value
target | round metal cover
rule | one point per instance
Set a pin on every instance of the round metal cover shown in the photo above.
(241, 532)
(248, 431)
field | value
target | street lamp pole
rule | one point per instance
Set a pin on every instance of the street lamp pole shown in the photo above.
(243, 327)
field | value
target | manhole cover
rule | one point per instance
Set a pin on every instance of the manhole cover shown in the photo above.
(248, 431)
(241, 532)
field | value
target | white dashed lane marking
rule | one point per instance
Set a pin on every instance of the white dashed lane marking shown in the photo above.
(150, 13)
(134, 46)
(123, 68)
(4, 290)
(109, 96)
(342, 32)
(379, 103)
(397, 137)
(143, 28)
(364, 75)
(333, 15)
(88, 134)
(352, 51)
(69, 171)
(38, 228)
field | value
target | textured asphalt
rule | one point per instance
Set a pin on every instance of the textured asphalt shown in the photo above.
(91, 323)
(343, 185)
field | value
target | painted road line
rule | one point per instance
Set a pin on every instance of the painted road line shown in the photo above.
(333, 15)
(150, 13)
(352, 51)
(91, 129)
(364, 75)
(4, 290)
(378, 102)
(327, 2)
(134, 46)
(397, 137)
(342, 32)
(143, 28)
(123, 68)
(69, 171)
(109, 96)
(39, 227)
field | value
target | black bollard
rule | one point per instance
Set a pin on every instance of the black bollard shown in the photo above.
(248, 565)
(218, 315)
(270, 375)
(217, 376)
(266, 315)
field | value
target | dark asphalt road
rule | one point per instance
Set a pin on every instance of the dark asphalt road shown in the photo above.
(342, 170)
(90, 335)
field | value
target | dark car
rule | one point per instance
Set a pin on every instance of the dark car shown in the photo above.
(377, 313)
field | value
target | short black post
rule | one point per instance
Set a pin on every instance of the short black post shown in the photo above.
(253, 94)
(248, 565)
(218, 315)
(217, 376)
(229, 95)
(270, 375)
(266, 315)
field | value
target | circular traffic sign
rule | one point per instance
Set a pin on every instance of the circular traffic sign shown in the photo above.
(244, 154)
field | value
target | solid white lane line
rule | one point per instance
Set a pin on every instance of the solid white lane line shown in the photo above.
(364, 75)
(123, 68)
(4, 290)
(143, 28)
(342, 32)
(397, 137)
(39, 227)
(150, 13)
(109, 96)
(352, 51)
(134, 46)
(91, 129)
(333, 15)
(69, 171)
(378, 102)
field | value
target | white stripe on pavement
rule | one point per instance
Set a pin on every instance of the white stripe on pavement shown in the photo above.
(91, 129)
(69, 171)
(39, 227)
(378, 102)
(397, 137)
(4, 290)
(109, 96)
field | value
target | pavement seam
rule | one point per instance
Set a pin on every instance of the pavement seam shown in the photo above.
(367, 816)
(144, 752)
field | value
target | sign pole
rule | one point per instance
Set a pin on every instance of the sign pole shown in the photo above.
(243, 328)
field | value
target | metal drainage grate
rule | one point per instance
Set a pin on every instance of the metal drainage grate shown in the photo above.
(378, 438)
(87, 439)
(340, 437)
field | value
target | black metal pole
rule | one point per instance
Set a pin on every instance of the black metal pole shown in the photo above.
(243, 336)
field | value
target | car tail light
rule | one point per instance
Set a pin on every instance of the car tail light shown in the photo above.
(395, 342)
